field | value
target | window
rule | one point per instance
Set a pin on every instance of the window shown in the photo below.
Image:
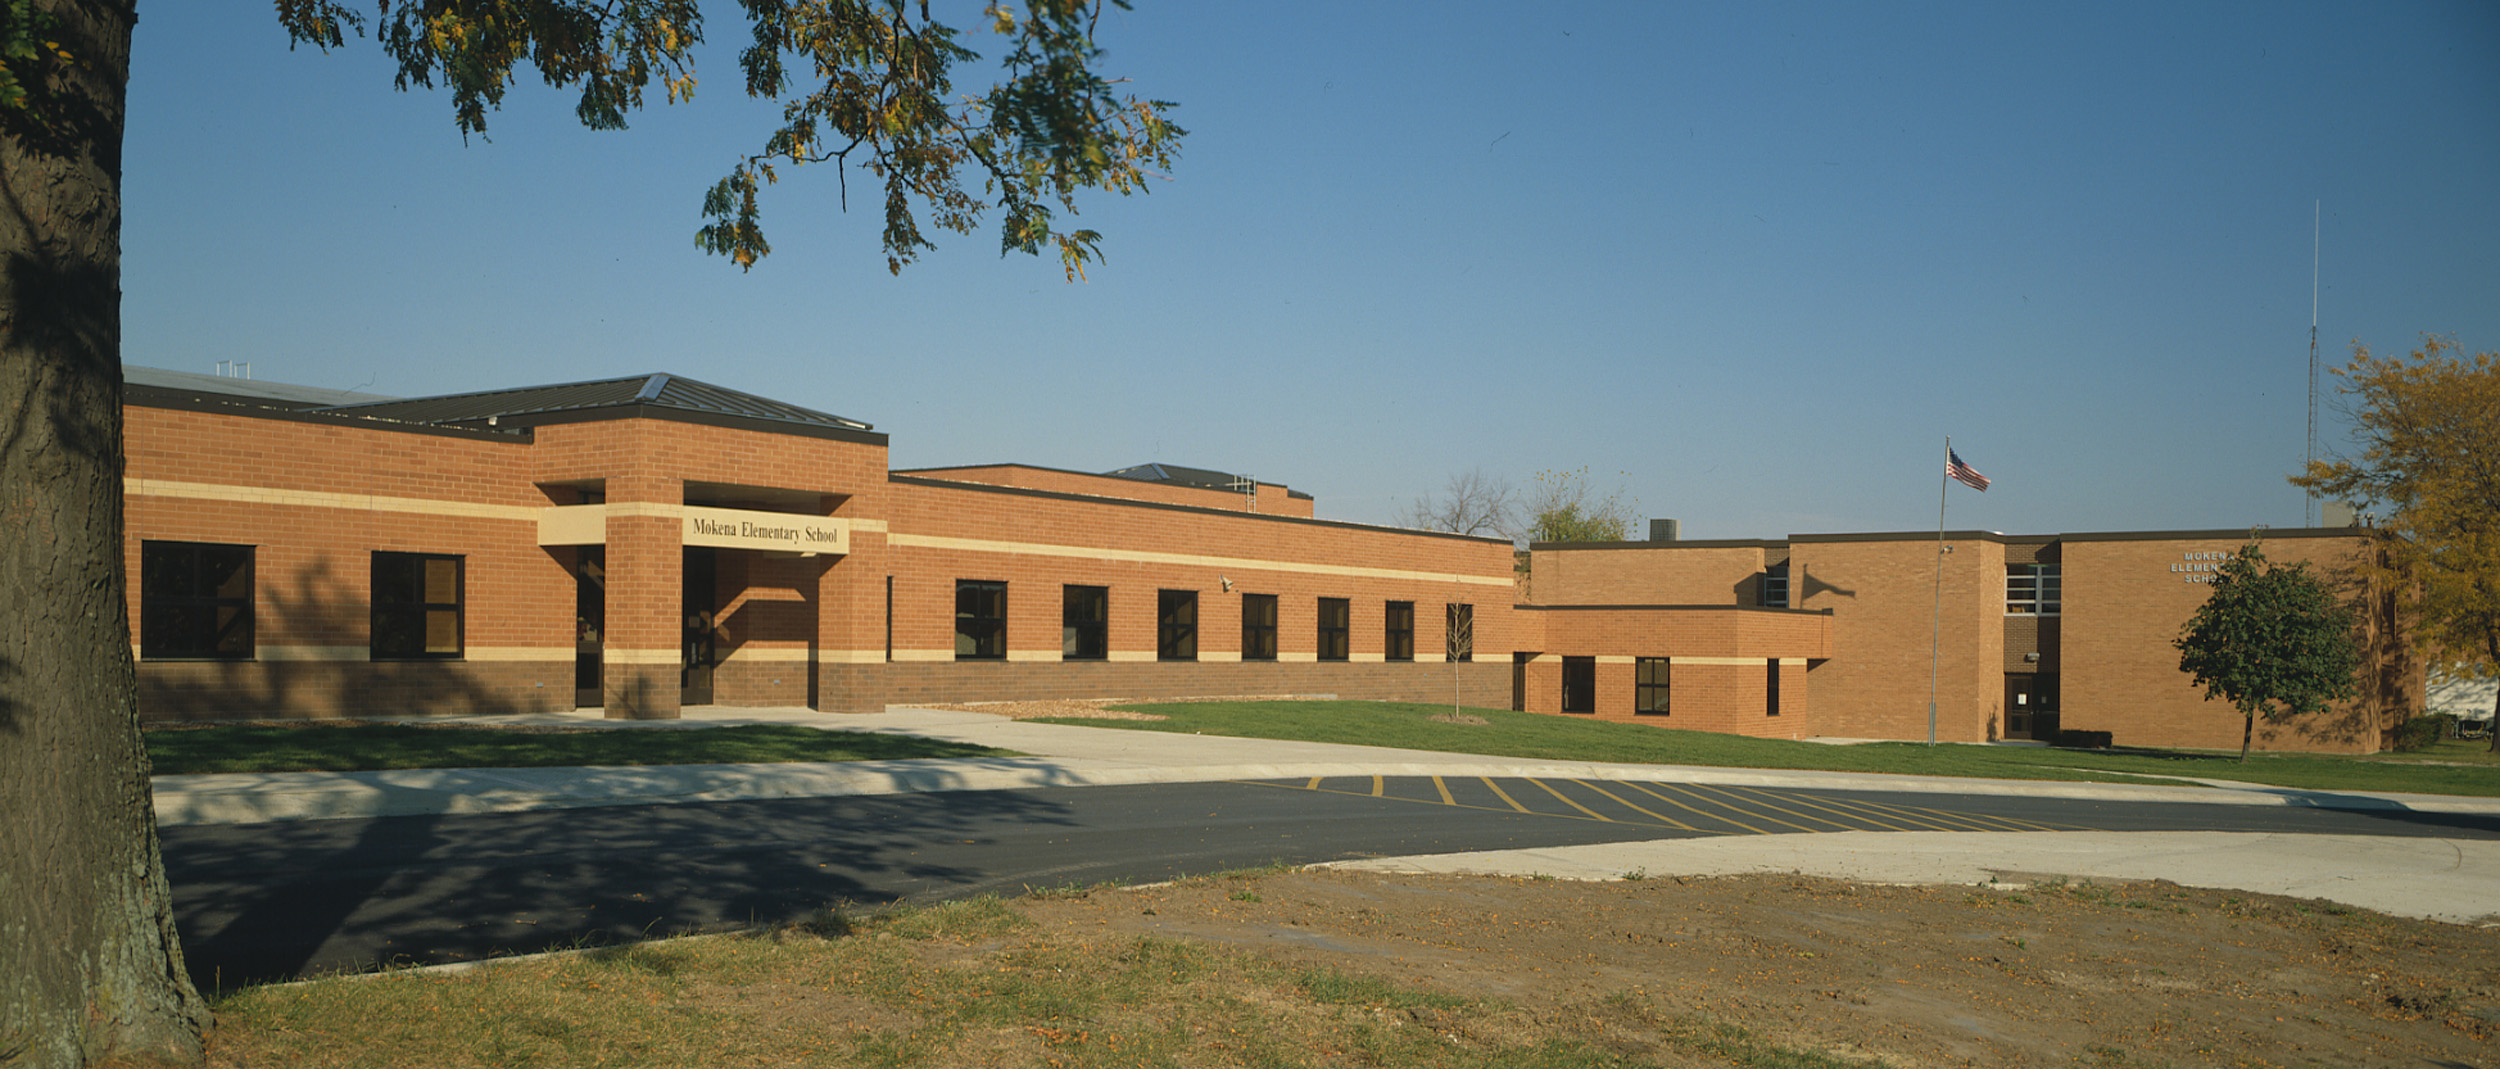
(195, 600)
(1398, 631)
(1258, 627)
(1176, 625)
(1084, 623)
(2031, 590)
(416, 606)
(980, 620)
(1649, 686)
(1459, 632)
(1334, 617)
(1579, 685)
(1775, 586)
(1771, 690)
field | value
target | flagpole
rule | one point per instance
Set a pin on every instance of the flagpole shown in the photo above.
(1935, 619)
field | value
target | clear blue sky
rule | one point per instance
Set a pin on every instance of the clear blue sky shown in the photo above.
(1750, 263)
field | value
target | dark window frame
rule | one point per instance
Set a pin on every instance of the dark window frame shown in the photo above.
(1176, 625)
(1584, 689)
(1336, 636)
(981, 619)
(390, 612)
(1397, 631)
(1084, 635)
(1652, 686)
(1771, 688)
(1258, 629)
(180, 609)
(1774, 591)
(1458, 631)
(2033, 590)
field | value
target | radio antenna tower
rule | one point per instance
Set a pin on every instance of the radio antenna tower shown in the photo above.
(2308, 499)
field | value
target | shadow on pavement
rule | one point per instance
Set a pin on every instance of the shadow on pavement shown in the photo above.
(267, 902)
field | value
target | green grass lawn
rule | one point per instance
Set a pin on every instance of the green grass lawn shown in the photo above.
(356, 747)
(1532, 735)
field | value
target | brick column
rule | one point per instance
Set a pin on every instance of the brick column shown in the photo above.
(850, 628)
(646, 559)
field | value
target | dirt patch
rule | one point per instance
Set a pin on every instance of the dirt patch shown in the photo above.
(2052, 974)
(1096, 708)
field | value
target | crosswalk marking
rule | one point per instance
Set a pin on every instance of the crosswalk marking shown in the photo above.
(1699, 809)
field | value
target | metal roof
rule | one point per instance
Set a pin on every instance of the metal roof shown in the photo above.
(523, 406)
(285, 395)
(1174, 473)
(1204, 478)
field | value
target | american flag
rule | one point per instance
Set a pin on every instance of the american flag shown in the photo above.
(1964, 473)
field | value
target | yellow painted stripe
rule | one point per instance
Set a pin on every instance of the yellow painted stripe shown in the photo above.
(1761, 804)
(1610, 795)
(1703, 813)
(1376, 786)
(1851, 814)
(1444, 788)
(1498, 792)
(1566, 800)
(1194, 560)
(1953, 821)
(1314, 784)
(1932, 817)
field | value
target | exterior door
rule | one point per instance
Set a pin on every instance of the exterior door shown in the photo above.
(590, 626)
(701, 649)
(2031, 706)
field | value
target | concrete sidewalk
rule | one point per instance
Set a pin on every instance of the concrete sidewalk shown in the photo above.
(2451, 879)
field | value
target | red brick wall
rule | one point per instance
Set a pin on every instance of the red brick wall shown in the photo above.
(1663, 573)
(1883, 598)
(1039, 544)
(1272, 499)
(1719, 671)
(2126, 601)
(313, 564)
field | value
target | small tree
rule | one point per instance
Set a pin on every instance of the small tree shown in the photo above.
(1562, 507)
(2270, 641)
(1471, 503)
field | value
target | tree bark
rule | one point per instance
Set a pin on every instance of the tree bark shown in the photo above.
(90, 967)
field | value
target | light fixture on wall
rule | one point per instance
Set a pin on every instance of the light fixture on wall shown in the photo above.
(1228, 584)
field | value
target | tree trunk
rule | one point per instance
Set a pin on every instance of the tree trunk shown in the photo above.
(2248, 728)
(90, 968)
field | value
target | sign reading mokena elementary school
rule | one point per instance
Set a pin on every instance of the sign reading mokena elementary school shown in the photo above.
(745, 529)
(2200, 566)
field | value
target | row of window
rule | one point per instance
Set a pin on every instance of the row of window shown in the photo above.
(1649, 686)
(195, 602)
(1085, 622)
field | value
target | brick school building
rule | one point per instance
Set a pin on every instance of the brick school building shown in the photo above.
(645, 543)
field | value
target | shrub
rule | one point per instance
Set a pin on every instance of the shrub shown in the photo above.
(2421, 732)
(2082, 740)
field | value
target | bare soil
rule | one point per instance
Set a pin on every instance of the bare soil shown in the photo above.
(2050, 974)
